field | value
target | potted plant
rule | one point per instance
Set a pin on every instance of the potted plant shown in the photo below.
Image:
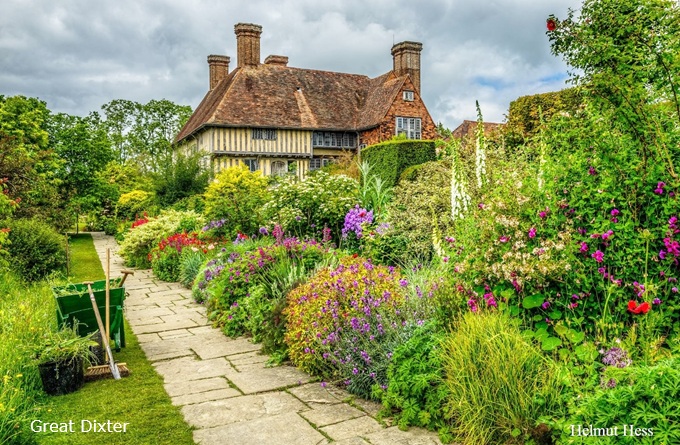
(61, 356)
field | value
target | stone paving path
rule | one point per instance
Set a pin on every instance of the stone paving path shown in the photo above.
(223, 386)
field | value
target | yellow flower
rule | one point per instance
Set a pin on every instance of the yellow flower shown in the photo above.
(18, 376)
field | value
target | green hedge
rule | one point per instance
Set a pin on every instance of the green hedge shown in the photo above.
(389, 159)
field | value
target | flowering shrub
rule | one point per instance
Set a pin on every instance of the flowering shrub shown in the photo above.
(165, 257)
(236, 197)
(139, 241)
(133, 203)
(305, 208)
(351, 300)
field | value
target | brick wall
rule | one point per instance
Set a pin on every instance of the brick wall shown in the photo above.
(400, 107)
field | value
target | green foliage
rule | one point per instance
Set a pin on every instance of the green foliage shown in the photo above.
(416, 212)
(237, 196)
(139, 241)
(416, 394)
(524, 121)
(26, 313)
(647, 398)
(499, 385)
(389, 159)
(373, 193)
(304, 208)
(143, 133)
(627, 57)
(36, 249)
(132, 204)
(64, 345)
(190, 263)
(179, 178)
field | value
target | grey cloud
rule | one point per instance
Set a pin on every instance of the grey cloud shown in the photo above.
(78, 55)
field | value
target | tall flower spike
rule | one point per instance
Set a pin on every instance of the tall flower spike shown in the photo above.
(460, 200)
(480, 149)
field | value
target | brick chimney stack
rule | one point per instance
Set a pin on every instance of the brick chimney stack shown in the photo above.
(406, 58)
(248, 44)
(219, 68)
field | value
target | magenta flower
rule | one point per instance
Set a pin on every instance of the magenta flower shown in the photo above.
(573, 305)
(542, 214)
(607, 234)
(614, 212)
(659, 188)
(532, 233)
(674, 290)
(504, 239)
(545, 305)
(598, 255)
(591, 171)
(656, 301)
(584, 247)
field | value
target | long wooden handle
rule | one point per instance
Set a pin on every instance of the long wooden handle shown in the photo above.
(108, 294)
(105, 340)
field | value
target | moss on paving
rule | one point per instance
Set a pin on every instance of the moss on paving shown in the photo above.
(138, 399)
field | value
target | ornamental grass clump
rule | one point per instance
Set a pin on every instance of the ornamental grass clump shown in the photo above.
(356, 300)
(499, 384)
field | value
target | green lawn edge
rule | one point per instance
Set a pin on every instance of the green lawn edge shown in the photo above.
(139, 400)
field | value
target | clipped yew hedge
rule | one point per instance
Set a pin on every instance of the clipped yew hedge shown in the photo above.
(389, 159)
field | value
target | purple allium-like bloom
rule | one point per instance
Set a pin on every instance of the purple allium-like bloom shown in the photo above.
(656, 301)
(616, 357)
(532, 232)
(264, 231)
(403, 282)
(598, 256)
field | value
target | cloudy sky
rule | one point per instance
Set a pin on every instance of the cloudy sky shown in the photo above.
(80, 54)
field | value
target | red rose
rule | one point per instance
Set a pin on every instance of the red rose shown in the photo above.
(551, 24)
(638, 309)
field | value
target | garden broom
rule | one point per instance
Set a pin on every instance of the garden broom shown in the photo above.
(112, 369)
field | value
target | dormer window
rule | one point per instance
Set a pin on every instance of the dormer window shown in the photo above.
(408, 95)
(267, 134)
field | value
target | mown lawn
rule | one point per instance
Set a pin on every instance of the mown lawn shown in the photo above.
(138, 399)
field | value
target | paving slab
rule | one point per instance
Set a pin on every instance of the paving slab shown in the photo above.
(314, 393)
(182, 388)
(217, 394)
(161, 327)
(240, 409)
(361, 426)
(282, 429)
(322, 415)
(188, 368)
(395, 436)
(221, 347)
(256, 378)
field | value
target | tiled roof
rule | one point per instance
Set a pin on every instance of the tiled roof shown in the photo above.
(468, 129)
(278, 96)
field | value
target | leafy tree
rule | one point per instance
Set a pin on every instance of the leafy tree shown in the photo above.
(25, 159)
(83, 147)
(626, 55)
(144, 132)
(180, 178)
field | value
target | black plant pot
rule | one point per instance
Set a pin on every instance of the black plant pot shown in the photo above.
(62, 377)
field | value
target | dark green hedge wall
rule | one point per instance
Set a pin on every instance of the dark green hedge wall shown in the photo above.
(389, 159)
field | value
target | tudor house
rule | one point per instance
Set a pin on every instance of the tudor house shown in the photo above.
(279, 119)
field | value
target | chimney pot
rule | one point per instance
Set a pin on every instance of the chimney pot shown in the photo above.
(406, 59)
(219, 69)
(247, 44)
(276, 60)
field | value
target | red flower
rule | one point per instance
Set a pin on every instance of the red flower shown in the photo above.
(638, 309)
(550, 23)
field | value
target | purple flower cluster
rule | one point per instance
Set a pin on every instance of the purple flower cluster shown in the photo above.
(616, 357)
(214, 225)
(354, 219)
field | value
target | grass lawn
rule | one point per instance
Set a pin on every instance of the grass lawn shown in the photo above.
(138, 399)
(84, 263)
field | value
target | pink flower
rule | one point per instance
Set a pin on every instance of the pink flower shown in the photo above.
(532, 233)
(584, 247)
(598, 255)
(504, 239)
(573, 305)
(542, 214)
(607, 234)
(591, 171)
(659, 188)
(614, 212)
